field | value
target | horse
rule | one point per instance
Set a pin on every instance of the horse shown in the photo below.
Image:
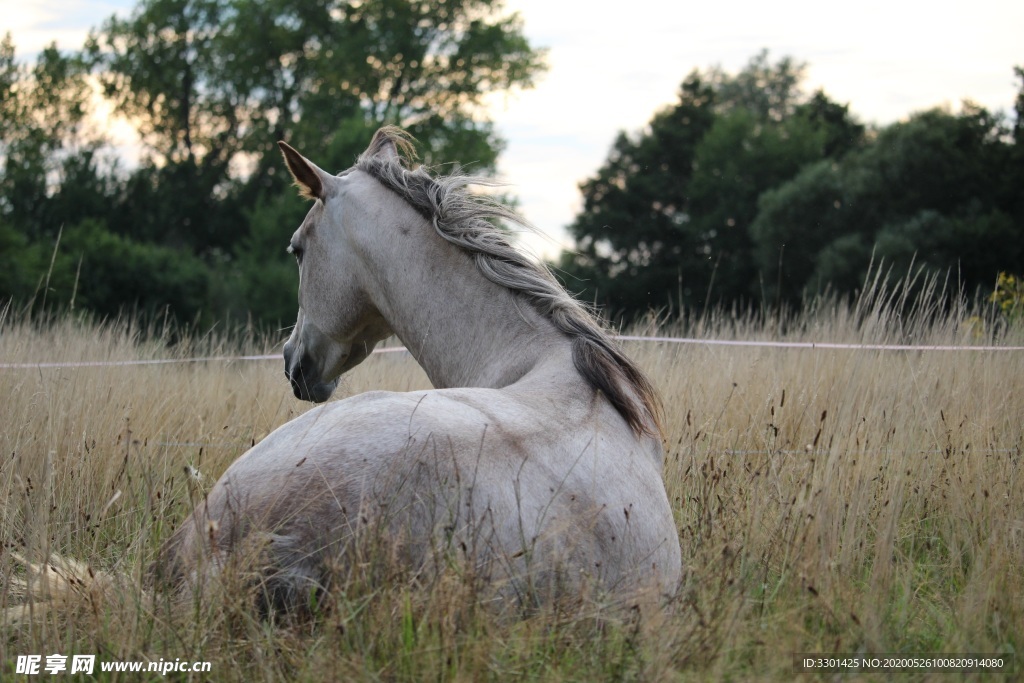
(536, 459)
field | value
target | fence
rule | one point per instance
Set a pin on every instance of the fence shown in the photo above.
(665, 340)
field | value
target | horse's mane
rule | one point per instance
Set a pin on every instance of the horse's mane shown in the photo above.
(464, 219)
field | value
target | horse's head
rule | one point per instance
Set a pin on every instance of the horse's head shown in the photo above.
(337, 325)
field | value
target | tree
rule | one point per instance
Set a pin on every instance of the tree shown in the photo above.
(932, 191)
(42, 149)
(666, 220)
(211, 86)
(41, 111)
(1014, 179)
(631, 236)
(208, 79)
(161, 68)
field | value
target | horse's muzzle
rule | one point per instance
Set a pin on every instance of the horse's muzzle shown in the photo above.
(316, 392)
(305, 381)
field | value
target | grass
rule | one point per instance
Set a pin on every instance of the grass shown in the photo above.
(828, 501)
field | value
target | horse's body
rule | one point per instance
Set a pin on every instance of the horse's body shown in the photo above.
(537, 458)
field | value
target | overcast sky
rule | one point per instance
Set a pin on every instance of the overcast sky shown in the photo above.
(612, 65)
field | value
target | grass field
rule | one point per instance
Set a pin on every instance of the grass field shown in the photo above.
(828, 501)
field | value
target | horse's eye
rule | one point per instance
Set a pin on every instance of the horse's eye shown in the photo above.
(297, 252)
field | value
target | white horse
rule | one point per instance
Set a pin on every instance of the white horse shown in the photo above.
(536, 459)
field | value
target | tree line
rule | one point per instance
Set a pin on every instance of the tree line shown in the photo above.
(198, 228)
(749, 190)
(752, 191)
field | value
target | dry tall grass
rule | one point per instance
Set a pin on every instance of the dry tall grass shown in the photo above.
(829, 501)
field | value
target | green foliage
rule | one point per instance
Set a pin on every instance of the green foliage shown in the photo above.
(633, 235)
(93, 269)
(667, 219)
(750, 190)
(211, 85)
(209, 79)
(41, 112)
(161, 68)
(931, 191)
(268, 275)
(20, 264)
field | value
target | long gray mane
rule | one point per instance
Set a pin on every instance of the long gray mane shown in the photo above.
(464, 219)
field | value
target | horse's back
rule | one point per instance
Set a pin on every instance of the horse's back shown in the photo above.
(551, 494)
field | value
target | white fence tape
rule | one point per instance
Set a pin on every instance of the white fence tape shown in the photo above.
(669, 340)
(156, 361)
(818, 345)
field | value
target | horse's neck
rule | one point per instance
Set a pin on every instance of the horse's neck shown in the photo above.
(463, 329)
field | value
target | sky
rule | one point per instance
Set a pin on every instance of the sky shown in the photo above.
(612, 65)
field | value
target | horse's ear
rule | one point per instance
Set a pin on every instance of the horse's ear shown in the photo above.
(308, 178)
(387, 149)
(391, 143)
